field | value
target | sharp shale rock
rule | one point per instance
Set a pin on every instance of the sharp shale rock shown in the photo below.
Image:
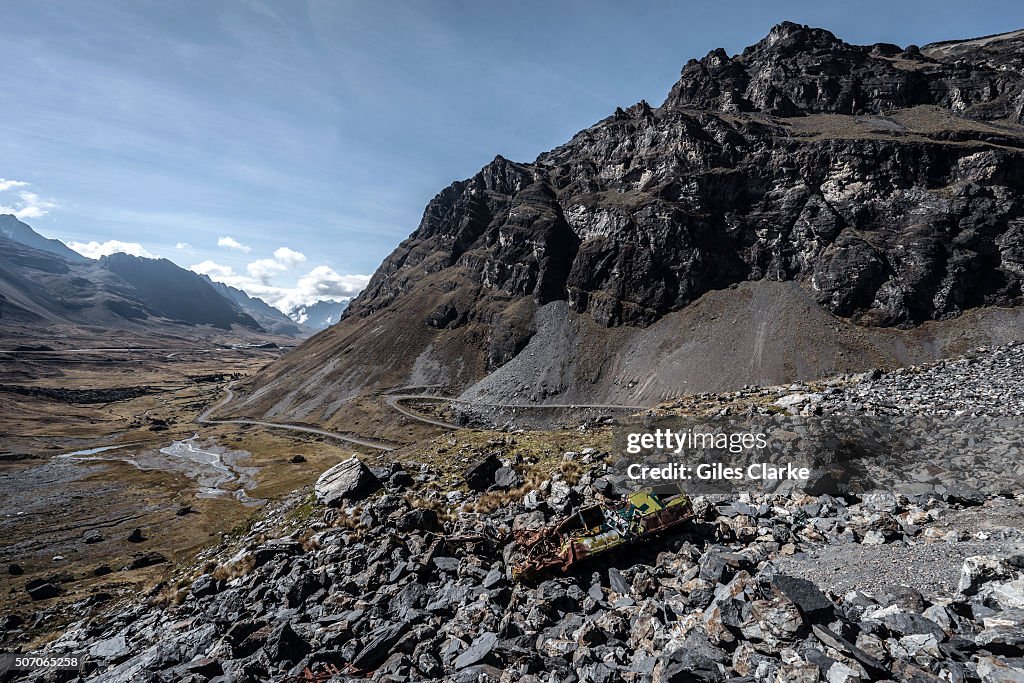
(885, 184)
(770, 587)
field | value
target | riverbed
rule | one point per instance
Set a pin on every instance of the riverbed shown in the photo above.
(218, 472)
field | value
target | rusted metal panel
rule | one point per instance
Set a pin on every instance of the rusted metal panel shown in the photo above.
(597, 529)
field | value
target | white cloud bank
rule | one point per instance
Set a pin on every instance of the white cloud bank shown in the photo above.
(320, 283)
(96, 249)
(264, 269)
(23, 204)
(323, 283)
(233, 244)
(284, 260)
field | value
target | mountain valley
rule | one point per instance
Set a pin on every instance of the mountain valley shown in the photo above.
(197, 486)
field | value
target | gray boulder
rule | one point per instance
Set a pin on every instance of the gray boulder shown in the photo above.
(350, 480)
(507, 478)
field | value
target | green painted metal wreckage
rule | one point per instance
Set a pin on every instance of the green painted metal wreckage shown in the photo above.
(598, 529)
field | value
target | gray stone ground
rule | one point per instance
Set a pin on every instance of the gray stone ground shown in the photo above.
(922, 585)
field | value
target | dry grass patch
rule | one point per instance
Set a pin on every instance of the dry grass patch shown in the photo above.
(170, 596)
(232, 570)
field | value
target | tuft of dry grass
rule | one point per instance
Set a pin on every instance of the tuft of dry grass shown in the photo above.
(233, 570)
(443, 511)
(307, 539)
(571, 471)
(170, 596)
(533, 478)
(492, 500)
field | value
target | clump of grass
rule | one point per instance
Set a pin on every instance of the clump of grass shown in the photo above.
(233, 570)
(170, 596)
(571, 471)
(307, 539)
(339, 519)
(492, 500)
(443, 511)
(533, 479)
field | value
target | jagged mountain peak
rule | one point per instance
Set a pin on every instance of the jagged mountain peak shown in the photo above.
(556, 229)
(176, 293)
(789, 36)
(318, 315)
(798, 70)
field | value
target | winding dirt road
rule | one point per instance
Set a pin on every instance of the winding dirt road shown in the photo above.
(205, 418)
(394, 401)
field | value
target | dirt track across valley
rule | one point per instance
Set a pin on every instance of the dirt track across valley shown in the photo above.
(205, 418)
(394, 401)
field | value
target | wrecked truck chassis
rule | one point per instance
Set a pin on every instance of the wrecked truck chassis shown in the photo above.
(596, 530)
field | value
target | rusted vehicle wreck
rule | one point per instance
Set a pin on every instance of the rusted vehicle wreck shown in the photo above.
(597, 529)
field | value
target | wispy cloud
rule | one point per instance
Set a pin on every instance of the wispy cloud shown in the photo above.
(233, 244)
(96, 249)
(6, 184)
(182, 245)
(21, 202)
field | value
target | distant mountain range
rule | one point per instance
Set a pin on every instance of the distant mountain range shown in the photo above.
(119, 290)
(319, 316)
(44, 281)
(269, 318)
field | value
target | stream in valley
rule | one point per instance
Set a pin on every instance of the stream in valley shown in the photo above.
(217, 471)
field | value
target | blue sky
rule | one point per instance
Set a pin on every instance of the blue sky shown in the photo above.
(318, 130)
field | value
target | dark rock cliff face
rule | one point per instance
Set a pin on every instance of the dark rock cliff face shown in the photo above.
(838, 195)
(798, 70)
(887, 181)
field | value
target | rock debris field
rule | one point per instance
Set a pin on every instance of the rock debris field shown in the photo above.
(915, 585)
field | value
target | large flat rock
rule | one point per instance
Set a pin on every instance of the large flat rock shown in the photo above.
(348, 481)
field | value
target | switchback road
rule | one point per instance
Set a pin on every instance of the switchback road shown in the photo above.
(205, 418)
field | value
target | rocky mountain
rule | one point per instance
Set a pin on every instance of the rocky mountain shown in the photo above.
(14, 229)
(320, 315)
(39, 287)
(169, 291)
(805, 207)
(268, 317)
